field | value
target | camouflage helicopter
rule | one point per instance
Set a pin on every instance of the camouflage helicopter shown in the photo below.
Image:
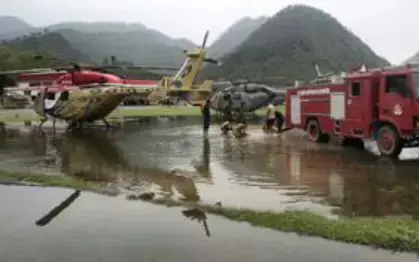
(11, 100)
(246, 96)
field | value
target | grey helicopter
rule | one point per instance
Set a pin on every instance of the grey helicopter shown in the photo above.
(241, 95)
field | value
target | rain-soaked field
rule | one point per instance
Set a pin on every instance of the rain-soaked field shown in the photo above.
(257, 172)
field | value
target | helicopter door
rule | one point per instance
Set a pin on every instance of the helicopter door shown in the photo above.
(39, 103)
(51, 99)
(295, 110)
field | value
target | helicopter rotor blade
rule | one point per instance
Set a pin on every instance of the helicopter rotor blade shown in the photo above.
(141, 67)
(204, 42)
(35, 70)
(212, 61)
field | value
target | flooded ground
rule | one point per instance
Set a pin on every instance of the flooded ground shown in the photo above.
(258, 172)
(100, 228)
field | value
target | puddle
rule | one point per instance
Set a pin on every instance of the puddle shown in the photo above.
(259, 171)
(50, 224)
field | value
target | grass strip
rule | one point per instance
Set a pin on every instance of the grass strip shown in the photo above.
(395, 234)
(152, 111)
(28, 179)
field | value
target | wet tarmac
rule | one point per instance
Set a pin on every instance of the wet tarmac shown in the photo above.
(175, 160)
(101, 228)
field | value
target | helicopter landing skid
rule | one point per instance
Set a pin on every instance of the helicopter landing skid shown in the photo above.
(79, 125)
(74, 125)
(42, 122)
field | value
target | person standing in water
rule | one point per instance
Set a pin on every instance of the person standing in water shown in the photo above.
(241, 127)
(206, 115)
(227, 111)
(270, 117)
(279, 118)
(242, 114)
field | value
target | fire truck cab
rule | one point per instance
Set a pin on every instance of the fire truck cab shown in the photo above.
(382, 104)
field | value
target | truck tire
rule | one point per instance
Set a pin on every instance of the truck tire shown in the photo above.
(389, 142)
(315, 133)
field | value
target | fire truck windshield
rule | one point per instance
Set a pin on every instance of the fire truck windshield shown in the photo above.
(416, 83)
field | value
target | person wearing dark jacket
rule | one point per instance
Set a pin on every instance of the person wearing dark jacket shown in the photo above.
(227, 112)
(206, 115)
(279, 119)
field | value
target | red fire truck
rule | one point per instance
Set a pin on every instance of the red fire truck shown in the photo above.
(382, 104)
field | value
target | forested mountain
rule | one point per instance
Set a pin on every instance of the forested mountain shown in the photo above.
(97, 27)
(286, 44)
(134, 42)
(12, 24)
(413, 59)
(12, 27)
(235, 35)
(146, 47)
(289, 42)
(38, 50)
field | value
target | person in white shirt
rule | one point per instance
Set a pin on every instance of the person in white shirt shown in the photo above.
(270, 117)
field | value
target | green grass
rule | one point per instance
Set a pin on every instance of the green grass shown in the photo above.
(396, 234)
(156, 111)
(10, 118)
(126, 112)
(168, 111)
(52, 181)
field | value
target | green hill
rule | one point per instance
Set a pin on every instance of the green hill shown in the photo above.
(12, 27)
(13, 24)
(288, 44)
(146, 48)
(235, 35)
(38, 50)
(128, 41)
(413, 59)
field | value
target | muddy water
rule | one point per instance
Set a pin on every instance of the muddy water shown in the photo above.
(99, 228)
(258, 172)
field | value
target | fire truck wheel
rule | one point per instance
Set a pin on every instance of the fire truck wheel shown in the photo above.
(389, 141)
(315, 133)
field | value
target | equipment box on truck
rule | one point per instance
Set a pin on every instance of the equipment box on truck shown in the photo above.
(380, 103)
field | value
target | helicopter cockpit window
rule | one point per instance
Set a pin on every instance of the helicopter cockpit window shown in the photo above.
(64, 96)
(236, 97)
(35, 84)
(252, 89)
(50, 96)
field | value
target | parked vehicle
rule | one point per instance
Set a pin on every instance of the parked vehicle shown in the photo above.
(382, 104)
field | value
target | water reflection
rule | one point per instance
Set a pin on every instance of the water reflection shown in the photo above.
(361, 185)
(203, 166)
(45, 220)
(259, 171)
(98, 158)
(196, 214)
(92, 157)
(100, 228)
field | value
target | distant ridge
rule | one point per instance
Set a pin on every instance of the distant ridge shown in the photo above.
(235, 35)
(288, 43)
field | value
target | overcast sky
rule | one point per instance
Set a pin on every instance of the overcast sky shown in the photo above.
(390, 27)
